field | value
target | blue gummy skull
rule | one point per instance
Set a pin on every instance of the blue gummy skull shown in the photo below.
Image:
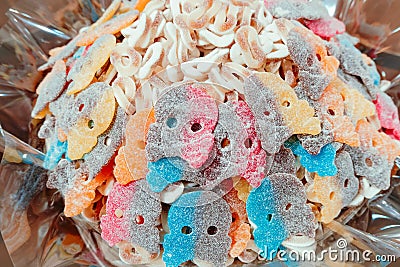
(54, 154)
(199, 224)
(270, 231)
(323, 163)
(278, 210)
(166, 171)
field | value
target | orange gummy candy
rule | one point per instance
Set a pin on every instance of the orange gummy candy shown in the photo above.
(240, 229)
(83, 193)
(332, 109)
(131, 162)
(370, 137)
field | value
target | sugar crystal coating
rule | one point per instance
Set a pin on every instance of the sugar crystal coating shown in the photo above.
(51, 87)
(132, 215)
(316, 68)
(322, 163)
(199, 226)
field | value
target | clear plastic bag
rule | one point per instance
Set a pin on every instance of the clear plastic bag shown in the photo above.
(34, 228)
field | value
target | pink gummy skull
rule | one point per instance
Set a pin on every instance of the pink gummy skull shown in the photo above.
(133, 211)
(326, 27)
(256, 160)
(388, 114)
(185, 119)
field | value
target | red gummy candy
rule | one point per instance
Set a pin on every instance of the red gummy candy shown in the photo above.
(326, 27)
(388, 114)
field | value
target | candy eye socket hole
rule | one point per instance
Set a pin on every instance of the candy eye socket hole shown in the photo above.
(81, 107)
(141, 144)
(346, 183)
(196, 127)
(107, 141)
(119, 213)
(269, 217)
(267, 113)
(225, 142)
(331, 112)
(331, 195)
(139, 219)
(172, 122)
(286, 104)
(319, 57)
(91, 124)
(212, 230)
(368, 161)
(248, 143)
(186, 230)
(288, 206)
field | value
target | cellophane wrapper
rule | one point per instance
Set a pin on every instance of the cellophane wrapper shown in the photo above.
(34, 229)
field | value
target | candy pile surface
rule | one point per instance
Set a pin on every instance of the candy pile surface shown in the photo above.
(214, 131)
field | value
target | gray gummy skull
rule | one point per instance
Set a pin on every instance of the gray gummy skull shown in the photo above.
(313, 143)
(69, 109)
(290, 197)
(369, 163)
(284, 162)
(352, 63)
(270, 125)
(199, 224)
(312, 79)
(147, 205)
(51, 87)
(347, 182)
(295, 9)
(107, 143)
(231, 155)
(185, 119)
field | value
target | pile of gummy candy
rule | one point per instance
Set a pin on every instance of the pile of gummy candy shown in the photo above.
(202, 130)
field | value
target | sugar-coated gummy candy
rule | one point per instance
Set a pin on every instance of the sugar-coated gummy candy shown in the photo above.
(56, 151)
(269, 228)
(296, 9)
(199, 225)
(313, 143)
(83, 136)
(326, 27)
(335, 192)
(131, 163)
(239, 230)
(322, 163)
(257, 163)
(278, 110)
(316, 68)
(132, 215)
(278, 210)
(166, 171)
(107, 144)
(185, 117)
(351, 61)
(332, 108)
(284, 162)
(388, 113)
(83, 71)
(50, 88)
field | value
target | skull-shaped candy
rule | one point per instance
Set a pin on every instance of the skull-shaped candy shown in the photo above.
(185, 119)
(132, 215)
(199, 224)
